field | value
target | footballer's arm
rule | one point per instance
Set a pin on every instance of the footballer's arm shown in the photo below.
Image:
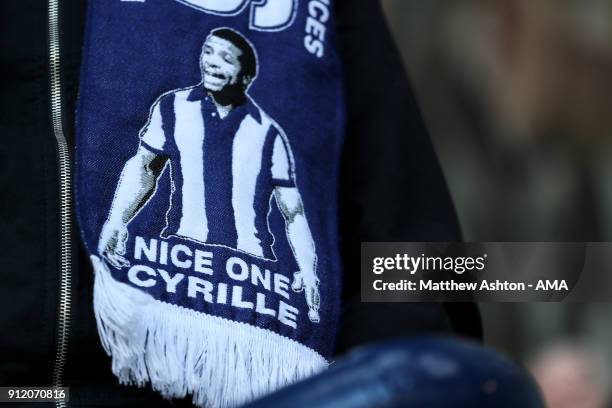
(135, 187)
(300, 238)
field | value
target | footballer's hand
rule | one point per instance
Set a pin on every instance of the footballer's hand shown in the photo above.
(309, 283)
(111, 245)
(302, 279)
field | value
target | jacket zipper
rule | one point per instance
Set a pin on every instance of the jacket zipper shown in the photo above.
(63, 155)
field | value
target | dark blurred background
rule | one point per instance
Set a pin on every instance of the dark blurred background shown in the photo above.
(517, 95)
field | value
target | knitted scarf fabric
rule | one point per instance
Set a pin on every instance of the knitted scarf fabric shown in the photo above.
(208, 144)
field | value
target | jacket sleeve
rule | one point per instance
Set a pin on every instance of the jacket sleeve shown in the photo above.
(391, 184)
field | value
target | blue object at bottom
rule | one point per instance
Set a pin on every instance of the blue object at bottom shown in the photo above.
(428, 372)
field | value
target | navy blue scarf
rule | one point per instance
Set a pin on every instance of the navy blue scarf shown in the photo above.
(209, 135)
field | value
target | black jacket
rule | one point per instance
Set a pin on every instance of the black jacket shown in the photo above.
(391, 189)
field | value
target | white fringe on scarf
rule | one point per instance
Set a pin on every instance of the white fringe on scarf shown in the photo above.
(222, 363)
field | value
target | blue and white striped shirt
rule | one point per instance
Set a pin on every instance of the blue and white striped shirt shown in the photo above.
(223, 171)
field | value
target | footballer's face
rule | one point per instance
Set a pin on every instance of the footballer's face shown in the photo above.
(220, 64)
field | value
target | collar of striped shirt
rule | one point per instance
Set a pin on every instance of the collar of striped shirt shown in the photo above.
(199, 94)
